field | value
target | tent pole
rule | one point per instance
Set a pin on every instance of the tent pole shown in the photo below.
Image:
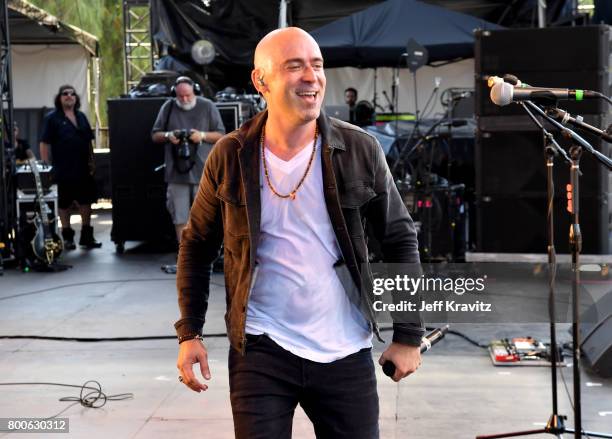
(282, 14)
(541, 13)
(416, 102)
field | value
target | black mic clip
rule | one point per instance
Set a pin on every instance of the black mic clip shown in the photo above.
(578, 121)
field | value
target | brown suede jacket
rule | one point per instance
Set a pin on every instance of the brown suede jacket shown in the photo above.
(358, 187)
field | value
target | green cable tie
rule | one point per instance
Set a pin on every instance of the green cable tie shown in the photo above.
(579, 95)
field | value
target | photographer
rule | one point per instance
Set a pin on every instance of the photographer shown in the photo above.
(189, 125)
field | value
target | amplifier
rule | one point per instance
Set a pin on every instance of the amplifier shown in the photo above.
(234, 114)
(25, 178)
(28, 205)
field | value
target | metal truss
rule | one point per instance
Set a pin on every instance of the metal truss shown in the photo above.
(7, 192)
(138, 54)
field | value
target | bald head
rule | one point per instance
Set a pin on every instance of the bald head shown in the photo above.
(289, 74)
(274, 45)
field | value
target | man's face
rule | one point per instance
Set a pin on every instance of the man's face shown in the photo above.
(185, 97)
(350, 97)
(296, 82)
(68, 98)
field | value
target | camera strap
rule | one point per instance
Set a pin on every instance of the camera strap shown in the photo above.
(172, 104)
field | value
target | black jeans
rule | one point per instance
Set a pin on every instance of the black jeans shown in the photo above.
(268, 382)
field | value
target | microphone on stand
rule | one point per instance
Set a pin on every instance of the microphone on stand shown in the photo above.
(509, 78)
(426, 343)
(504, 93)
(564, 117)
(492, 80)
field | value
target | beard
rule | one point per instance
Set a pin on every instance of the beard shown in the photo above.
(188, 106)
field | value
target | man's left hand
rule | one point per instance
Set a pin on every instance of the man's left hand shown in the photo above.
(407, 359)
(196, 136)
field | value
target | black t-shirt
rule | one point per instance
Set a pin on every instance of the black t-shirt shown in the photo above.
(70, 144)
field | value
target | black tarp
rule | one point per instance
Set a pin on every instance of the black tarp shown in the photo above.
(377, 36)
(234, 27)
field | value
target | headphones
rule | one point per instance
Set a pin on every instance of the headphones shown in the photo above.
(185, 80)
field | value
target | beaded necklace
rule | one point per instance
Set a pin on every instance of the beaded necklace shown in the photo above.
(291, 195)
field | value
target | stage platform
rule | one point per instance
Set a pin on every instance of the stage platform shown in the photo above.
(457, 393)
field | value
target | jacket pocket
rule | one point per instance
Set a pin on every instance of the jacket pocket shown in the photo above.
(355, 194)
(234, 209)
(354, 198)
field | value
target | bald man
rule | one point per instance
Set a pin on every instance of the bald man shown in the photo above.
(288, 194)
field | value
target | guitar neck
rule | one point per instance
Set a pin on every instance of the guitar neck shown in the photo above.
(44, 209)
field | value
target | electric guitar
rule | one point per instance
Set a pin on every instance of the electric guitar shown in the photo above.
(46, 244)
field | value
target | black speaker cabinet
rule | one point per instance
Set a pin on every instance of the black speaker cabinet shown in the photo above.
(565, 57)
(510, 160)
(138, 192)
(511, 189)
(517, 224)
(596, 336)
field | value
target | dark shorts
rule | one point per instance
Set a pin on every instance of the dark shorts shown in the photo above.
(82, 191)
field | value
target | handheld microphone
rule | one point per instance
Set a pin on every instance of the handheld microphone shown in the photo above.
(426, 343)
(504, 93)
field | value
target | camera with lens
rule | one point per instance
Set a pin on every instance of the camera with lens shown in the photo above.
(184, 151)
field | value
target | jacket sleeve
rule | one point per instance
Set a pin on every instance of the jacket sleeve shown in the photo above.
(199, 246)
(394, 229)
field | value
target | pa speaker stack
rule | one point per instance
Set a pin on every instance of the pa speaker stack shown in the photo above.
(139, 193)
(510, 162)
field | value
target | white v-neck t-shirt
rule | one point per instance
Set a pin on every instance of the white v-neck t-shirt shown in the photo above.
(297, 298)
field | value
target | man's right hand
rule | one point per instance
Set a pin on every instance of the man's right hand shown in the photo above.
(192, 352)
(174, 141)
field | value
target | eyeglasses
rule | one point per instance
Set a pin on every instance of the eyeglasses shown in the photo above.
(68, 93)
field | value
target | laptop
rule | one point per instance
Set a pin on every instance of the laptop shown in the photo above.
(341, 112)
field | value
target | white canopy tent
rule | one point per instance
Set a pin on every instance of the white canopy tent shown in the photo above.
(39, 70)
(45, 54)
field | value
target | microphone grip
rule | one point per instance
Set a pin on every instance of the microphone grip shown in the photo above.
(428, 341)
(389, 368)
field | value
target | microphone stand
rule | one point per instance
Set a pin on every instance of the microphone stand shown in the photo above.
(423, 138)
(555, 424)
(565, 117)
(575, 241)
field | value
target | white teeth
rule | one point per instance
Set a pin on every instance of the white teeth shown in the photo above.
(307, 93)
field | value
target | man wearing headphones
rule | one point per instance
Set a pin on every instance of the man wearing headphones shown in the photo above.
(189, 125)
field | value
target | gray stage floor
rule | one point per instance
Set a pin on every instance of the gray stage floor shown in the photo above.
(457, 393)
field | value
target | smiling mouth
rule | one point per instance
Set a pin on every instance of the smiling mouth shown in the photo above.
(309, 96)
